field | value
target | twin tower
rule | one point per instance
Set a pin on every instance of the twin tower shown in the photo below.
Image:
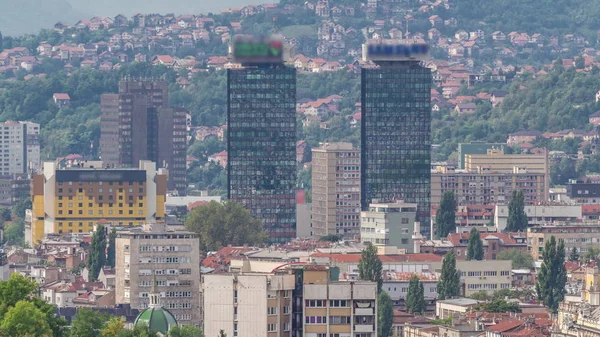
(261, 120)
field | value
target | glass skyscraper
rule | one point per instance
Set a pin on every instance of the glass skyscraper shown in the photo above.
(395, 136)
(261, 145)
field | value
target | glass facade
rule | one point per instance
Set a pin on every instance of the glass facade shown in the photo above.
(395, 136)
(261, 144)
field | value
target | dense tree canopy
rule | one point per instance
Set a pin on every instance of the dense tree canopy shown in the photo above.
(520, 259)
(370, 267)
(224, 223)
(517, 218)
(475, 246)
(415, 298)
(552, 277)
(448, 285)
(445, 216)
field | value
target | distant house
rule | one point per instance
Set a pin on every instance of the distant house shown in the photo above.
(464, 108)
(219, 158)
(598, 96)
(166, 60)
(522, 137)
(61, 99)
(497, 97)
(498, 36)
(595, 118)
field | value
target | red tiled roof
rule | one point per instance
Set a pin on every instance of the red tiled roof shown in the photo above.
(506, 238)
(62, 96)
(355, 257)
(505, 326)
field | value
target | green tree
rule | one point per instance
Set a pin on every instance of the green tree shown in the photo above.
(415, 299)
(449, 283)
(14, 233)
(25, 319)
(5, 214)
(331, 238)
(97, 254)
(499, 305)
(517, 218)
(224, 223)
(475, 246)
(15, 289)
(550, 286)
(520, 259)
(445, 217)
(87, 323)
(113, 327)
(185, 331)
(592, 253)
(370, 267)
(20, 206)
(111, 254)
(385, 314)
(574, 255)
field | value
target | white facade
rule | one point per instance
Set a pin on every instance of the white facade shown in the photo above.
(20, 147)
(540, 214)
(389, 224)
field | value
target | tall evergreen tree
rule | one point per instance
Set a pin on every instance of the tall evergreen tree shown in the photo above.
(415, 299)
(445, 217)
(110, 259)
(550, 286)
(574, 255)
(97, 254)
(370, 267)
(385, 314)
(517, 218)
(475, 246)
(449, 283)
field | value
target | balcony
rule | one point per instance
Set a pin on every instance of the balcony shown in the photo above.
(364, 328)
(363, 311)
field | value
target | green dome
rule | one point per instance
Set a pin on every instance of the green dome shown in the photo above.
(157, 319)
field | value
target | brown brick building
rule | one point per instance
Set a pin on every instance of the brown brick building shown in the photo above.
(137, 124)
(493, 243)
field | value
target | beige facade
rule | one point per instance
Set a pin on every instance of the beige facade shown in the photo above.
(489, 276)
(581, 318)
(580, 236)
(336, 190)
(448, 308)
(538, 215)
(497, 160)
(484, 186)
(389, 224)
(248, 305)
(171, 259)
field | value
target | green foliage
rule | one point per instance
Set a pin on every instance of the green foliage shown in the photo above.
(574, 255)
(140, 330)
(449, 283)
(592, 253)
(445, 216)
(415, 299)
(113, 327)
(551, 279)
(442, 321)
(111, 254)
(331, 238)
(517, 218)
(25, 319)
(498, 305)
(97, 254)
(475, 246)
(520, 259)
(5, 214)
(225, 223)
(185, 331)
(385, 314)
(370, 267)
(14, 233)
(18, 209)
(87, 323)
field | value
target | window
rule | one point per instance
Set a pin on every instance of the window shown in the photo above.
(315, 303)
(272, 327)
(272, 311)
(339, 303)
(339, 319)
(316, 320)
(505, 273)
(286, 326)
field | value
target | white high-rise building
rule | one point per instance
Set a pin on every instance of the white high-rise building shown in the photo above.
(19, 147)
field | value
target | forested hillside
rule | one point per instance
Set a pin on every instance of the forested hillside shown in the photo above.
(29, 16)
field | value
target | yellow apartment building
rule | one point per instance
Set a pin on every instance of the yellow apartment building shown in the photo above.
(67, 200)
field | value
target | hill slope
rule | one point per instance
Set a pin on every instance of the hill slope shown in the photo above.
(29, 16)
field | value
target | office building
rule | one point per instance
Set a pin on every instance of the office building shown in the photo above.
(495, 160)
(247, 304)
(396, 133)
(20, 148)
(261, 145)
(583, 193)
(73, 200)
(13, 188)
(336, 190)
(488, 187)
(389, 224)
(137, 124)
(151, 257)
(538, 215)
(578, 235)
(474, 148)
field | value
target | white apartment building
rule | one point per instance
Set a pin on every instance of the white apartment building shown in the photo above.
(172, 259)
(389, 224)
(19, 147)
(538, 215)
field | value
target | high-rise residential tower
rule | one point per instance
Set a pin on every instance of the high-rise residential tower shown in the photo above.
(396, 128)
(261, 140)
(137, 124)
(336, 190)
(20, 148)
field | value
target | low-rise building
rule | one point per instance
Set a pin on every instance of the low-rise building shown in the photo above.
(493, 243)
(448, 308)
(389, 224)
(540, 214)
(575, 235)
